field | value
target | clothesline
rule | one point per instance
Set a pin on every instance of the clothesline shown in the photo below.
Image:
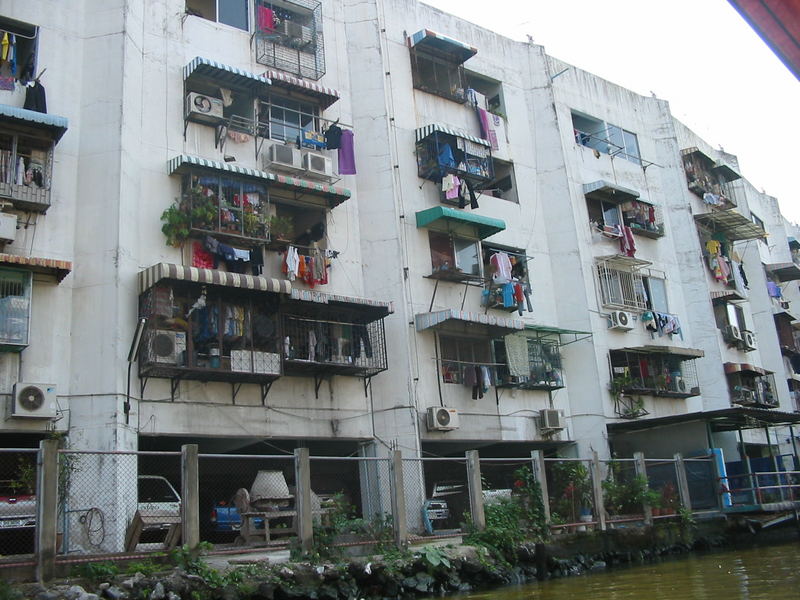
(309, 320)
(468, 362)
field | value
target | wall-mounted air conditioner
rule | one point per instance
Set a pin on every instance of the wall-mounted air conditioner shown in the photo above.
(283, 157)
(8, 227)
(441, 418)
(317, 165)
(748, 340)
(732, 334)
(551, 420)
(621, 320)
(202, 107)
(168, 347)
(34, 400)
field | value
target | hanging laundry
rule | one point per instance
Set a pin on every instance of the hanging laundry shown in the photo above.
(35, 98)
(517, 355)
(291, 263)
(487, 131)
(333, 137)
(201, 258)
(627, 244)
(501, 267)
(485, 379)
(266, 19)
(347, 158)
(4, 44)
(774, 290)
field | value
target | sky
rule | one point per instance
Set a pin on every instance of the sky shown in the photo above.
(719, 77)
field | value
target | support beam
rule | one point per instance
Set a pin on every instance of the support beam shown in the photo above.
(540, 475)
(641, 471)
(683, 482)
(475, 490)
(46, 509)
(190, 496)
(399, 521)
(304, 519)
(597, 491)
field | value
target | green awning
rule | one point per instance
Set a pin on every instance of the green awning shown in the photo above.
(605, 190)
(452, 220)
(546, 331)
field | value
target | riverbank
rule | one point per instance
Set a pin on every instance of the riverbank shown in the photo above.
(422, 571)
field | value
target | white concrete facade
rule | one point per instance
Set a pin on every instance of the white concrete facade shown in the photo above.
(115, 70)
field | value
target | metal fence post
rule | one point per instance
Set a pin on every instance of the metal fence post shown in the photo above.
(304, 518)
(475, 490)
(641, 471)
(398, 499)
(540, 475)
(190, 496)
(46, 509)
(683, 482)
(597, 490)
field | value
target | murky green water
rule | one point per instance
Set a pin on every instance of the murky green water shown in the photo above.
(771, 572)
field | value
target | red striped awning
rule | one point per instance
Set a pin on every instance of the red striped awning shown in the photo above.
(326, 95)
(152, 275)
(51, 266)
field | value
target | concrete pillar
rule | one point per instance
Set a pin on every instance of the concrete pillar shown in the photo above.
(46, 509)
(597, 491)
(398, 493)
(683, 482)
(475, 490)
(190, 496)
(540, 475)
(302, 498)
(641, 471)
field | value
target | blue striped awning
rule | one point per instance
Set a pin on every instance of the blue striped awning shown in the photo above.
(53, 123)
(334, 194)
(424, 132)
(425, 321)
(224, 75)
(437, 42)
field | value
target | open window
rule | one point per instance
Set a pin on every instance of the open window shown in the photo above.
(504, 184)
(459, 354)
(760, 224)
(26, 159)
(21, 66)
(227, 12)
(606, 138)
(611, 206)
(15, 309)
(437, 64)
(488, 93)
(454, 258)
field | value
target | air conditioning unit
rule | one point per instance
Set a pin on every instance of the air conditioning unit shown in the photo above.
(621, 320)
(748, 340)
(732, 334)
(34, 400)
(317, 165)
(441, 418)
(678, 385)
(8, 227)
(202, 107)
(168, 347)
(551, 420)
(283, 157)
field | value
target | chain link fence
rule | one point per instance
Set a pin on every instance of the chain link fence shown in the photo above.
(445, 508)
(17, 503)
(570, 487)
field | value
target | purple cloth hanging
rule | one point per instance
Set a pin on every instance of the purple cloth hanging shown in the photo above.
(347, 159)
(487, 129)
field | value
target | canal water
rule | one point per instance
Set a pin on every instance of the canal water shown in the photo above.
(769, 572)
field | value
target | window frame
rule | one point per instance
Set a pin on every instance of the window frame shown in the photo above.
(455, 271)
(617, 141)
(26, 34)
(10, 316)
(625, 296)
(247, 13)
(266, 128)
(453, 69)
(460, 343)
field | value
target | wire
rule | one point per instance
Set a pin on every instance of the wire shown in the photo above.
(94, 526)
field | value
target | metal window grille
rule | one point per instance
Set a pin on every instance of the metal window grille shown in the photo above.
(296, 43)
(655, 374)
(15, 306)
(438, 76)
(621, 289)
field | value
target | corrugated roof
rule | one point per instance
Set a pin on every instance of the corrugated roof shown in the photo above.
(52, 123)
(449, 219)
(440, 43)
(432, 319)
(152, 275)
(224, 75)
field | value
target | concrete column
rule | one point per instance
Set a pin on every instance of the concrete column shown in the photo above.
(475, 490)
(641, 471)
(398, 494)
(683, 482)
(302, 498)
(46, 509)
(540, 475)
(190, 496)
(597, 490)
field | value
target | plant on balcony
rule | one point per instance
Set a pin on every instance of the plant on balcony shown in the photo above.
(619, 385)
(176, 224)
(280, 228)
(204, 210)
(572, 489)
(254, 225)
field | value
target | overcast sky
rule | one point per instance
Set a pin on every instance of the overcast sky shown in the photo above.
(719, 77)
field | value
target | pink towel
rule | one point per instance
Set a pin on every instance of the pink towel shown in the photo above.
(487, 129)
(266, 19)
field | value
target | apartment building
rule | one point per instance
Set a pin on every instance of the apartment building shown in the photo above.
(356, 226)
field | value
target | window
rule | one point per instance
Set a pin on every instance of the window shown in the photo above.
(489, 93)
(285, 119)
(34, 152)
(606, 138)
(441, 153)
(656, 289)
(15, 308)
(228, 12)
(458, 354)
(454, 257)
(755, 219)
(289, 36)
(438, 76)
(621, 289)
(503, 185)
(25, 40)
(602, 213)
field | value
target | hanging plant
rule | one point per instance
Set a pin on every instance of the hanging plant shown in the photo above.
(176, 224)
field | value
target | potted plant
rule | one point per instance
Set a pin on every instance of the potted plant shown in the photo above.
(281, 228)
(669, 499)
(176, 224)
(571, 489)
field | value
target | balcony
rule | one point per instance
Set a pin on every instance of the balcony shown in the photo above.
(611, 206)
(437, 64)
(289, 37)
(751, 386)
(663, 371)
(27, 142)
(442, 150)
(710, 180)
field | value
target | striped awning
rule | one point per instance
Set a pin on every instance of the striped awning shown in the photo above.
(152, 275)
(424, 132)
(425, 321)
(437, 42)
(50, 266)
(54, 124)
(744, 368)
(609, 191)
(224, 75)
(683, 353)
(376, 309)
(326, 95)
(334, 194)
